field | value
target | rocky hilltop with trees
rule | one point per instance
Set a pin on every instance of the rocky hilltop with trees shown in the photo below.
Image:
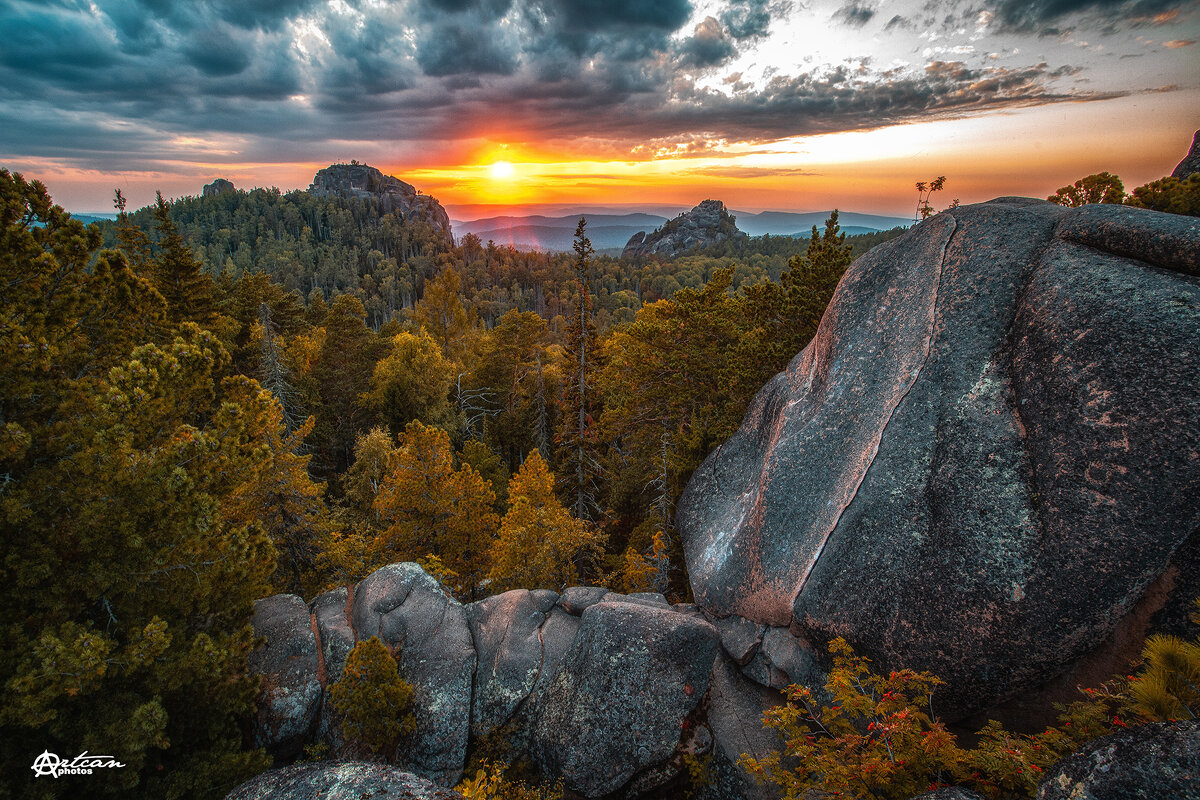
(392, 194)
(707, 224)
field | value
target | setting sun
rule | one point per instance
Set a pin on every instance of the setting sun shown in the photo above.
(502, 170)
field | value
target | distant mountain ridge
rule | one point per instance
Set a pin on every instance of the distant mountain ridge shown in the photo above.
(612, 231)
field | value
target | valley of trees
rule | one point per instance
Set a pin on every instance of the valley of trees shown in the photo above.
(212, 400)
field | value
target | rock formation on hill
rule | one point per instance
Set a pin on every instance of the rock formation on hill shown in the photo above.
(707, 223)
(1191, 162)
(987, 456)
(986, 465)
(219, 186)
(393, 194)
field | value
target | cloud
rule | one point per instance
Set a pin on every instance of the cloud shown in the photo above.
(116, 83)
(745, 19)
(707, 47)
(854, 14)
(1022, 15)
(900, 23)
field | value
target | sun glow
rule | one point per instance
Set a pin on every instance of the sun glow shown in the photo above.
(502, 170)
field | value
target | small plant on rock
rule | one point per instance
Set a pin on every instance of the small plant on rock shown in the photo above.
(879, 738)
(372, 700)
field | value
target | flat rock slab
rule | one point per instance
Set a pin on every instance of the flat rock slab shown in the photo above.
(411, 613)
(290, 697)
(998, 404)
(621, 701)
(339, 780)
(1146, 762)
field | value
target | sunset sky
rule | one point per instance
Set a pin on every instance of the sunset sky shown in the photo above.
(765, 104)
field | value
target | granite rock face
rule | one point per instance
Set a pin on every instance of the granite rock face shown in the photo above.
(622, 700)
(604, 690)
(1146, 762)
(997, 405)
(1191, 162)
(411, 613)
(339, 780)
(707, 223)
(393, 194)
(290, 697)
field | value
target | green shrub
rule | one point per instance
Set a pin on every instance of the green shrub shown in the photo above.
(373, 702)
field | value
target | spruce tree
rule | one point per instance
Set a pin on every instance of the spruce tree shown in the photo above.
(178, 275)
(577, 438)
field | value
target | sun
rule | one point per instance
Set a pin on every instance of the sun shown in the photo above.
(502, 170)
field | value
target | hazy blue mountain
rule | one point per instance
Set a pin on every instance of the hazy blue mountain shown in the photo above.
(556, 237)
(787, 223)
(613, 230)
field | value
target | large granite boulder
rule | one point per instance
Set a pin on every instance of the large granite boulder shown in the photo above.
(988, 452)
(619, 709)
(1191, 162)
(290, 695)
(414, 615)
(1142, 763)
(339, 780)
(507, 632)
(392, 194)
(708, 223)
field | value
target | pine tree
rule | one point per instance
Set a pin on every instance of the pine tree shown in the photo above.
(431, 508)
(577, 438)
(178, 276)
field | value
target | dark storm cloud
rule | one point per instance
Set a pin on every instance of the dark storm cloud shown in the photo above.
(219, 50)
(746, 18)
(707, 47)
(457, 49)
(854, 14)
(278, 81)
(1038, 15)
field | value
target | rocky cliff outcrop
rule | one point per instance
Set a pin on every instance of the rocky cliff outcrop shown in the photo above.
(219, 186)
(985, 458)
(1191, 162)
(707, 223)
(602, 690)
(394, 195)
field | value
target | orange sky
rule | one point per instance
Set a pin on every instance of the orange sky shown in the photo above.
(1029, 151)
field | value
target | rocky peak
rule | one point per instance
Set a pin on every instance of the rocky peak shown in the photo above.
(394, 195)
(219, 186)
(708, 223)
(1191, 162)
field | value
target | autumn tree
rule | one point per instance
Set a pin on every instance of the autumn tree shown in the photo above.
(1099, 188)
(429, 507)
(441, 312)
(577, 436)
(541, 545)
(412, 382)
